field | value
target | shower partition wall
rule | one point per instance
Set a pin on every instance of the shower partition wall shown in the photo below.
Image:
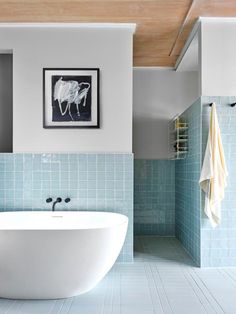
(208, 247)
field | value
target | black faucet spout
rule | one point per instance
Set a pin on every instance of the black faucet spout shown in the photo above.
(58, 200)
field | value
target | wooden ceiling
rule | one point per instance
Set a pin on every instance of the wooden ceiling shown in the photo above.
(162, 25)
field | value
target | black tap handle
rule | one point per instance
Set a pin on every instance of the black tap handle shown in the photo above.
(49, 200)
(59, 199)
(67, 200)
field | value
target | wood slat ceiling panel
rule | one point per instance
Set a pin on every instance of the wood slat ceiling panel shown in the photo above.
(205, 8)
(65, 10)
(162, 25)
(157, 21)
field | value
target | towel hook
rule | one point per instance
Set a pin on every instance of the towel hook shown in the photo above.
(232, 105)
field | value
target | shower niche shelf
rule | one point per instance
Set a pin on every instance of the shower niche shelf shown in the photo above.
(178, 138)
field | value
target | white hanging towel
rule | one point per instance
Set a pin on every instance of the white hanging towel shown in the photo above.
(214, 171)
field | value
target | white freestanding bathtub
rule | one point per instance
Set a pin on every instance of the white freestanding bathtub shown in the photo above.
(50, 255)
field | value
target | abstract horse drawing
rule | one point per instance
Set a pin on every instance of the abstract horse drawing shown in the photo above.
(70, 92)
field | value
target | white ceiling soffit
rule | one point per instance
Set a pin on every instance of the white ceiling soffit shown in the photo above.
(188, 59)
(130, 26)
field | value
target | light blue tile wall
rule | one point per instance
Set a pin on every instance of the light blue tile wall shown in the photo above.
(154, 197)
(101, 182)
(218, 245)
(187, 191)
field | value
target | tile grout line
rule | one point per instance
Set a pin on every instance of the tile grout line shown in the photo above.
(210, 293)
(148, 269)
(62, 305)
(195, 287)
(54, 306)
(105, 297)
(118, 276)
(10, 306)
(67, 307)
(71, 304)
(164, 290)
(209, 301)
(226, 273)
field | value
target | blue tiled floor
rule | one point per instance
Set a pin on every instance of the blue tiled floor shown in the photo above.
(162, 280)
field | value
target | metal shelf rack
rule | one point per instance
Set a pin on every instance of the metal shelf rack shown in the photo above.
(178, 138)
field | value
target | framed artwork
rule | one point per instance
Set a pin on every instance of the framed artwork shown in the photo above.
(71, 98)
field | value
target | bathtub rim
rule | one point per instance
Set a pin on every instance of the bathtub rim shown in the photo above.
(55, 213)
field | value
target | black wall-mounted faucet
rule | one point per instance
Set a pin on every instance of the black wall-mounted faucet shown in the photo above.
(58, 200)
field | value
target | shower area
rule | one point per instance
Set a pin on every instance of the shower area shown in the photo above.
(168, 201)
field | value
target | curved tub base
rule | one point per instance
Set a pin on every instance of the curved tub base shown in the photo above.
(58, 262)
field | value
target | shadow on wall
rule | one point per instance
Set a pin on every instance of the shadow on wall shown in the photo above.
(154, 197)
(6, 103)
(148, 130)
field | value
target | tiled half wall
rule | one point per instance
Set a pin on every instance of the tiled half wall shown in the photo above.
(154, 197)
(100, 182)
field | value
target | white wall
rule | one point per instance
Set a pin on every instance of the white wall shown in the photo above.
(109, 49)
(5, 103)
(218, 48)
(159, 94)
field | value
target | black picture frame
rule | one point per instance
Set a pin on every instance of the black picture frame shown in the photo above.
(48, 74)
